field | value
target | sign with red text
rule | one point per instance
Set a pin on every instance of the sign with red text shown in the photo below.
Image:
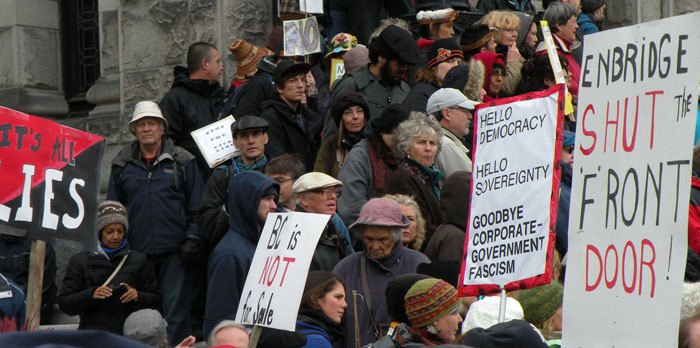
(50, 179)
(276, 278)
(631, 185)
(515, 178)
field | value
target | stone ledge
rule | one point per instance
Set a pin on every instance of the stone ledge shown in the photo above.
(34, 101)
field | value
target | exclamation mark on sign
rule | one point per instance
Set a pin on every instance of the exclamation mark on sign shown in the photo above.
(670, 249)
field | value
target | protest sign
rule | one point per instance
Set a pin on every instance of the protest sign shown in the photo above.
(631, 185)
(515, 180)
(311, 6)
(51, 178)
(215, 141)
(337, 69)
(301, 37)
(276, 279)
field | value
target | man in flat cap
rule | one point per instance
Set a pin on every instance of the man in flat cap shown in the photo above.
(318, 193)
(249, 137)
(382, 81)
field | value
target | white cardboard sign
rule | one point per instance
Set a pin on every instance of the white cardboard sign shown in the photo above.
(276, 279)
(631, 185)
(512, 182)
(215, 141)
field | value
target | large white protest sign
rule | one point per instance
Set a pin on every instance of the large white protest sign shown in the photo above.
(514, 179)
(215, 141)
(301, 37)
(275, 282)
(631, 184)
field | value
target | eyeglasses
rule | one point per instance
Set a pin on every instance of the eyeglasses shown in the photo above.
(282, 180)
(498, 71)
(328, 193)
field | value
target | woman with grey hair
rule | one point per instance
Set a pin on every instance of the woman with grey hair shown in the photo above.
(562, 22)
(418, 140)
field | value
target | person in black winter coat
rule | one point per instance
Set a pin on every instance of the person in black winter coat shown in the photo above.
(294, 128)
(195, 98)
(105, 286)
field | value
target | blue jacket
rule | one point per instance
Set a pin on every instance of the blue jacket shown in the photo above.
(162, 201)
(231, 258)
(586, 25)
(316, 337)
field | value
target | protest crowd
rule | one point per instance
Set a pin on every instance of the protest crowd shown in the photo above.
(385, 151)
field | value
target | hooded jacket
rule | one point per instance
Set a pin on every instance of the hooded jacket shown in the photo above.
(259, 89)
(86, 271)
(379, 273)
(162, 199)
(231, 258)
(190, 105)
(489, 59)
(447, 244)
(286, 136)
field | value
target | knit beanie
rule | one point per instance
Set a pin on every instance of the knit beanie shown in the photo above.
(110, 212)
(146, 326)
(540, 303)
(346, 100)
(429, 300)
(590, 6)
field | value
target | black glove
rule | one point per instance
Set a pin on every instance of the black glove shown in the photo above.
(190, 251)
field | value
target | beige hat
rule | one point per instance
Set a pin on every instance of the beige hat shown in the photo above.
(314, 181)
(146, 109)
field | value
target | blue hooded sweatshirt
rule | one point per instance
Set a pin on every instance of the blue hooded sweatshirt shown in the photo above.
(230, 260)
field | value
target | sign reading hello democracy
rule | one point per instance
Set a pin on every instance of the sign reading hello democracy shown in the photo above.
(277, 275)
(631, 185)
(514, 183)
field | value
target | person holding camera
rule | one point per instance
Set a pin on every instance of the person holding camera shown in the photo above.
(103, 287)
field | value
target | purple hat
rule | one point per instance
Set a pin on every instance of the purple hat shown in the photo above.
(381, 212)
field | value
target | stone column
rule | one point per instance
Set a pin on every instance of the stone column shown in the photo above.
(30, 63)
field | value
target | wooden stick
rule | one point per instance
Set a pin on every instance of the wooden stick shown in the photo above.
(35, 285)
(254, 336)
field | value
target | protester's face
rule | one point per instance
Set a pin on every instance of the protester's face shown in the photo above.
(568, 30)
(393, 71)
(557, 321)
(267, 205)
(251, 145)
(448, 327)
(149, 131)
(378, 241)
(286, 193)
(231, 336)
(460, 120)
(445, 30)
(293, 88)
(423, 149)
(333, 303)
(531, 38)
(442, 68)
(389, 140)
(215, 68)
(507, 36)
(567, 154)
(498, 75)
(112, 235)
(354, 119)
(321, 201)
(408, 234)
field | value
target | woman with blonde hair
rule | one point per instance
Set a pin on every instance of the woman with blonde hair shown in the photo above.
(505, 26)
(412, 236)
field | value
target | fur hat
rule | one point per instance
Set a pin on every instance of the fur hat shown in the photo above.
(111, 212)
(540, 303)
(247, 57)
(436, 16)
(429, 300)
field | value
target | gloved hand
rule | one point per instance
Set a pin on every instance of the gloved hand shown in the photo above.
(190, 250)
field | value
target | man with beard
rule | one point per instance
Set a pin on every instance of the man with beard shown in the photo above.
(381, 83)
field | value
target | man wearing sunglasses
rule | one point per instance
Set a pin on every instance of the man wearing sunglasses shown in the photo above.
(318, 193)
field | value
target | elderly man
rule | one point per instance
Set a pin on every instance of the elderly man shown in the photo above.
(228, 333)
(317, 193)
(454, 112)
(369, 272)
(249, 136)
(160, 184)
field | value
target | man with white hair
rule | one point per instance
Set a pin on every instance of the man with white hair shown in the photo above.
(454, 112)
(228, 333)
